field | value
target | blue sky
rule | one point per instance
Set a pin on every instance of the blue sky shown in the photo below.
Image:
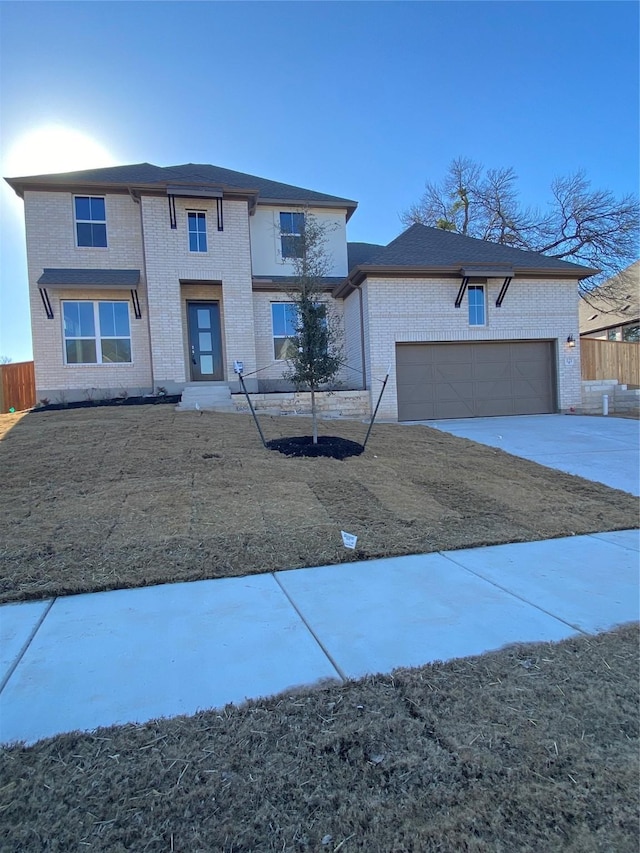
(358, 99)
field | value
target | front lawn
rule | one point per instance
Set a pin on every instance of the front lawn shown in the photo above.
(96, 499)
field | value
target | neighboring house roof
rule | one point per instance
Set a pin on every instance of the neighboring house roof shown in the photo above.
(146, 175)
(421, 250)
(89, 278)
(615, 303)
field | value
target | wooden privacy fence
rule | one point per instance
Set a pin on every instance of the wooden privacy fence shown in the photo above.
(17, 386)
(610, 360)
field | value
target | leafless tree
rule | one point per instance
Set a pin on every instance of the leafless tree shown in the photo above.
(579, 224)
(315, 353)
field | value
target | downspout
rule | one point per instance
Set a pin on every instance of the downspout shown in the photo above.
(137, 200)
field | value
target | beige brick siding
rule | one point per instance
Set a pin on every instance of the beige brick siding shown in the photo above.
(353, 339)
(227, 264)
(50, 228)
(403, 310)
(270, 368)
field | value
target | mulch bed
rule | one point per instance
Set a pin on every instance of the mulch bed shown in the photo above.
(331, 446)
(529, 749)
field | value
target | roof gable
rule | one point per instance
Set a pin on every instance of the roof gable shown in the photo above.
(614, 303)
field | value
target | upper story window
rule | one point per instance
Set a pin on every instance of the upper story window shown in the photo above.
(91, 221)
(197, 223)
(96, 332)
(477, 310)
(284, 317)
(291, 228)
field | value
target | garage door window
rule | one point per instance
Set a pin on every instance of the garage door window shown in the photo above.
(477, 313)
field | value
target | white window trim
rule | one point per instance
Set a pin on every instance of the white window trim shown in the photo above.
(484, 300)
(89, 222)
(97, 337)
(206, 232)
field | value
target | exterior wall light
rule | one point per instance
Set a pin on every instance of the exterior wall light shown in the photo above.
(571, 341)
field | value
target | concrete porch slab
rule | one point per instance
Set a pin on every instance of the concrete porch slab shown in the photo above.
(134, 655)
(408, 611)
(585, 581)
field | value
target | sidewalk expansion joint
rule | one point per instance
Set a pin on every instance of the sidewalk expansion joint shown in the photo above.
(26, 645)
(325, 651)
(515, 595)
(611, 541)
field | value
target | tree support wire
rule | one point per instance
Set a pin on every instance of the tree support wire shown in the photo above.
(375, 411)
(246, 394)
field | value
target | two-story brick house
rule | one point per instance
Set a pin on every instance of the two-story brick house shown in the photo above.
(143, 277)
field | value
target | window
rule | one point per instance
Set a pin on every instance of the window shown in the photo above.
(284, 316)
(291, 228)
(96, 332)
(91, 221)
(612, 335)
(476, 305)
(197, 231)
(631, 334)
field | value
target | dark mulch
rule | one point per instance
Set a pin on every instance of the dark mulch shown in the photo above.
(532, 749)
(331, 446)
(171, 399)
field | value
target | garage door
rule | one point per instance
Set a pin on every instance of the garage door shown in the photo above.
(473, 380)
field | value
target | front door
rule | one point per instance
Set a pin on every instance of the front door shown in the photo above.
(205, 344)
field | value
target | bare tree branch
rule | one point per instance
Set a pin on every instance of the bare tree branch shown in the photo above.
(589, 227)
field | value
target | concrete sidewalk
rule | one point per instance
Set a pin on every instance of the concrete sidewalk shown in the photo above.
(85, 661)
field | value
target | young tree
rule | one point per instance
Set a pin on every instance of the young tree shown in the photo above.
(314, 354)
(586, 226)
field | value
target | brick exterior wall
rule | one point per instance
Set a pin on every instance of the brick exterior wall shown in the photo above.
(403, 310)
(225, 266)
(270, 375)
(50, 229)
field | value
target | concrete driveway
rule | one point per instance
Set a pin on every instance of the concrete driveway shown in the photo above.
(602, 449)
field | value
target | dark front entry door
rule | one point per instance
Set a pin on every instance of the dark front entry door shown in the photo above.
(205, 346)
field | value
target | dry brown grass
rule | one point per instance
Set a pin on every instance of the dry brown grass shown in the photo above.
(533, 748)
(98, 499)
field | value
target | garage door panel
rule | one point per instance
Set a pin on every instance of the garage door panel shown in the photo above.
(416, 374)
(493, 408)
(457, 354)
(451, 372)
(491, 370)
(453, 391)
(452, 380)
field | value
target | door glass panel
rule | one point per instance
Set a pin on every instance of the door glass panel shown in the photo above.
(206, 364)
(204, 318)
(205, 343)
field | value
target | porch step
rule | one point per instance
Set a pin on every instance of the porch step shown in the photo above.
(208, 396)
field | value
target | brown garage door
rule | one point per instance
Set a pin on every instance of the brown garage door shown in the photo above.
(473, 380)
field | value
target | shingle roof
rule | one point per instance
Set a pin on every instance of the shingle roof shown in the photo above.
(358, 253)
(421, 246)
(614, 303)
(188, 173)
(89, 278)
